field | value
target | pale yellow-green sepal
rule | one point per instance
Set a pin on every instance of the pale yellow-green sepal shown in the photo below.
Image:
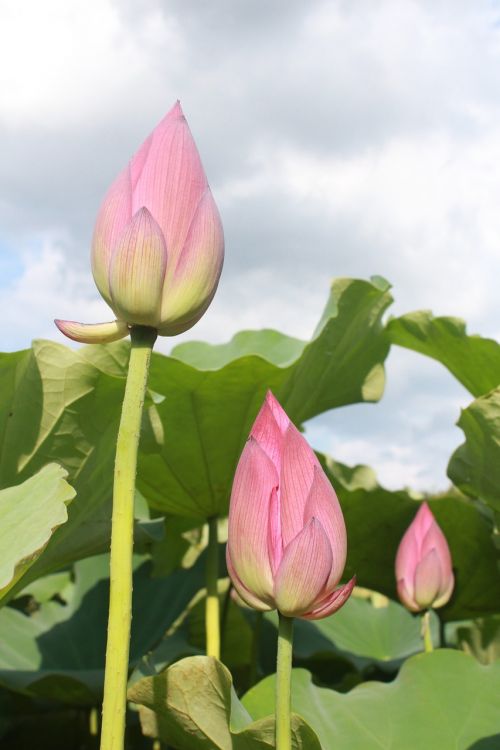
(93, 333)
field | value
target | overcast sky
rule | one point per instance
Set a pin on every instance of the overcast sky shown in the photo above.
(340, 138)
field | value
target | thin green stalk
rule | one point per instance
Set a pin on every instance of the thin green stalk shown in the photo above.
(93, 722)
(122, 535)
(224, 615)
(426, 631)
(212, 616)
(254, 657)
(284, 683)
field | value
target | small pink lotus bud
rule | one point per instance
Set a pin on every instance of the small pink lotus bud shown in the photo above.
(423, 564)
(287, 541)
(158, 245)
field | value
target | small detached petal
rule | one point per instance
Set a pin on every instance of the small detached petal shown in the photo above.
(93, 333)
(287, 540)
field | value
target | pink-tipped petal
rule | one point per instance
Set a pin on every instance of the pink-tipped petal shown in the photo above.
(254, 482)
(93, 333)
(137, 271)
(274, 538)
(114, 215)
(445, 593)
(427, 580)
(247, 596)
(406, 596)
(304, 570)
(297, 473)
(333, 602)
(268, 432)
(281, 417)
(435, 539)
(322, 503)
(170, 181)
(422, 522)
(192, 276)
(407, 558)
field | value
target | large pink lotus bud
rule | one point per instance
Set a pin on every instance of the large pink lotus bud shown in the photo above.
(423, 564)
(287, 541)
(158, 244)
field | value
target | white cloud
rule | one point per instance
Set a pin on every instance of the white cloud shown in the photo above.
(344, 138)
(48, 287)
(64, 64)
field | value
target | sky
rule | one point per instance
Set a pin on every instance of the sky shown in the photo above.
(340, 138)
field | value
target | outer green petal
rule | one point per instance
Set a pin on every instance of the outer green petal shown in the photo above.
(93, 333)
(137, 271)
(190, 284)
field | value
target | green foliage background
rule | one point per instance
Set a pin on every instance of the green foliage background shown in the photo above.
(361, 680)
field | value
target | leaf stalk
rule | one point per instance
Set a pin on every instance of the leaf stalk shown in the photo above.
(212, 614)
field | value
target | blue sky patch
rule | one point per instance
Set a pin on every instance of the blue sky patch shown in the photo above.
(11, 263)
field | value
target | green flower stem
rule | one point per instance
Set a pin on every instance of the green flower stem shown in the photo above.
(426, 631)
(212, 616)
(122, 535)
(283, 684)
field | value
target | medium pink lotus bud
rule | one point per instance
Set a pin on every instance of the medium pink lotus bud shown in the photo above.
(423, 564)
(158, 244)
(287, 541)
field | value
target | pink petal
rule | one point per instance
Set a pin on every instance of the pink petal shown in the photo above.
(322, 504)
(93, 333)
(435, 539)
(304, 570)
(281, 417)
(445, 593)
(333, 602)
(274, 539)
(137, 270)
(192, 276)
(114, 215)
(267, 431)
(405, 594)
(408, 556)
(422, 523)
(247, 596)
(297, 473)
(170, 180)
(254, 482)
(427, 580)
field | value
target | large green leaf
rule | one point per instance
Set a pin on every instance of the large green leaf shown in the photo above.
(473, 360)
(56, 406)
(361, 633)
(376, 520)
(193, 706)
(58, 651)
(475, 465)
(443, 700)
(29, 514)
(205, 414)
(64, 405)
